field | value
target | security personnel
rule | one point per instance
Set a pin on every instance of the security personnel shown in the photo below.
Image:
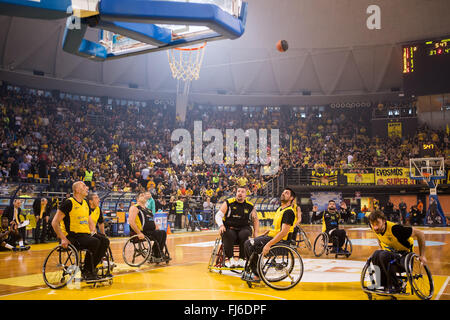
(234, 218)
(88, 175)
(395, 241)
(142, 223)
(72, 225)
(330, 225)
(179, 211)
(283, 224)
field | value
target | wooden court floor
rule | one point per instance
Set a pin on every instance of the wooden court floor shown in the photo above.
(187, 276)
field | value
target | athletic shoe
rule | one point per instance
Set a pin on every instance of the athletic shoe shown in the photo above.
(250, 277)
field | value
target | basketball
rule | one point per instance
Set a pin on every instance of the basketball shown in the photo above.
(282, 45)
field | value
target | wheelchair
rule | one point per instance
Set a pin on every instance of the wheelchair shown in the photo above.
(323, 245)
(412, 272)
(217, 260)
(64, 265)
(281, 269)
(300, 239)
(136, 252)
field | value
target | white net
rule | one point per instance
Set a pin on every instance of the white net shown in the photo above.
(185, 63)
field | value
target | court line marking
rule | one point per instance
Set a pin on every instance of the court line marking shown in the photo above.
(444, 286)
(171, 290)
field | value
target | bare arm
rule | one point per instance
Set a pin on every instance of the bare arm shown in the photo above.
(59, 216)
(278, 237)
(299, 216)
(255, 220)
(91, 225)
(101, 228)
(132, 213)
(420, 236)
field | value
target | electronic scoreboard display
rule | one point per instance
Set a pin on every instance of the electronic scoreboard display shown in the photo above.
(426, 67)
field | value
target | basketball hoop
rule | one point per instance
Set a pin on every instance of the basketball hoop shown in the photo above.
(185, 63)
(426, 176)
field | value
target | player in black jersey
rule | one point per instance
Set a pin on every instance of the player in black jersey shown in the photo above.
(330, 225)
(235, 219)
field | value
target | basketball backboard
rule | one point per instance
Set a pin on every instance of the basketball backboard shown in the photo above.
(427, 168)
(116, 43)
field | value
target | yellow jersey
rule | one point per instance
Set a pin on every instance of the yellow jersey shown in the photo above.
(282, 216)
(395, 238)
(76, 216)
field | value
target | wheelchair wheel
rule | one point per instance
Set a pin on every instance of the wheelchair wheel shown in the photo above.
(348, 247)
(368, 278)
(136, 252)
(107, 264)
(213, 259)
(320, 244)
(281, 268)
(419, 276)
(60, 266)
(304, 238)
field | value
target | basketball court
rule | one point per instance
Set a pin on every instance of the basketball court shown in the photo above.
(179, 34)
(187, 275)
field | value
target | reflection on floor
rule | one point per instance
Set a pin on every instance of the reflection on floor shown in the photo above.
(187, 276)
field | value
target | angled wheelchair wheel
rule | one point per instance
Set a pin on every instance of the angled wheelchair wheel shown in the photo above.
(320, 244)
(304, 238)
(419, 276)
(107, 264)
(136, 252)
(348, 247)
(281, 268)
(60, 266)
(368, 279)
(214, 255)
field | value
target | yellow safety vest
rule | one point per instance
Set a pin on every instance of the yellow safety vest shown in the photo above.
(88, 175)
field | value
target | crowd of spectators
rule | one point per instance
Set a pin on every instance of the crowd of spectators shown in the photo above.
(125, 148)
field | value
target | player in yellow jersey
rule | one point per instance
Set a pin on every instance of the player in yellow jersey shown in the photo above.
(71, 224)
(395, 241)
(283, 224)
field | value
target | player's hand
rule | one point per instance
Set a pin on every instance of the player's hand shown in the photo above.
(141, 236)
(65, 243)
(265, 250)
(222, 229)
(423, 260)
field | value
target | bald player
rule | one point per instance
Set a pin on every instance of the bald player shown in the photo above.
(71, 224)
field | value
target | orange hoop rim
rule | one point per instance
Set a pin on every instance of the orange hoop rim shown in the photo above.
(191, 49)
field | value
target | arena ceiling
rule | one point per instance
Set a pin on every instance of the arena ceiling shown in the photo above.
(332, 54)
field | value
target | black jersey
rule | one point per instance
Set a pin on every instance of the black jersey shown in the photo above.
(238, 213)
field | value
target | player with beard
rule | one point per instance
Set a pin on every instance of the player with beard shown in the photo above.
(283, 224)
(235, 219)
(395, 241)
(330, 225)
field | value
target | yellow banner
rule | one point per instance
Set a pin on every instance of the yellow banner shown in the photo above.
(360, 178)
(324, 178)
(392, 176)
(395, 129)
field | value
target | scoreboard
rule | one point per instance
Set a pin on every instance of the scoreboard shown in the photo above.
(426, 67)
